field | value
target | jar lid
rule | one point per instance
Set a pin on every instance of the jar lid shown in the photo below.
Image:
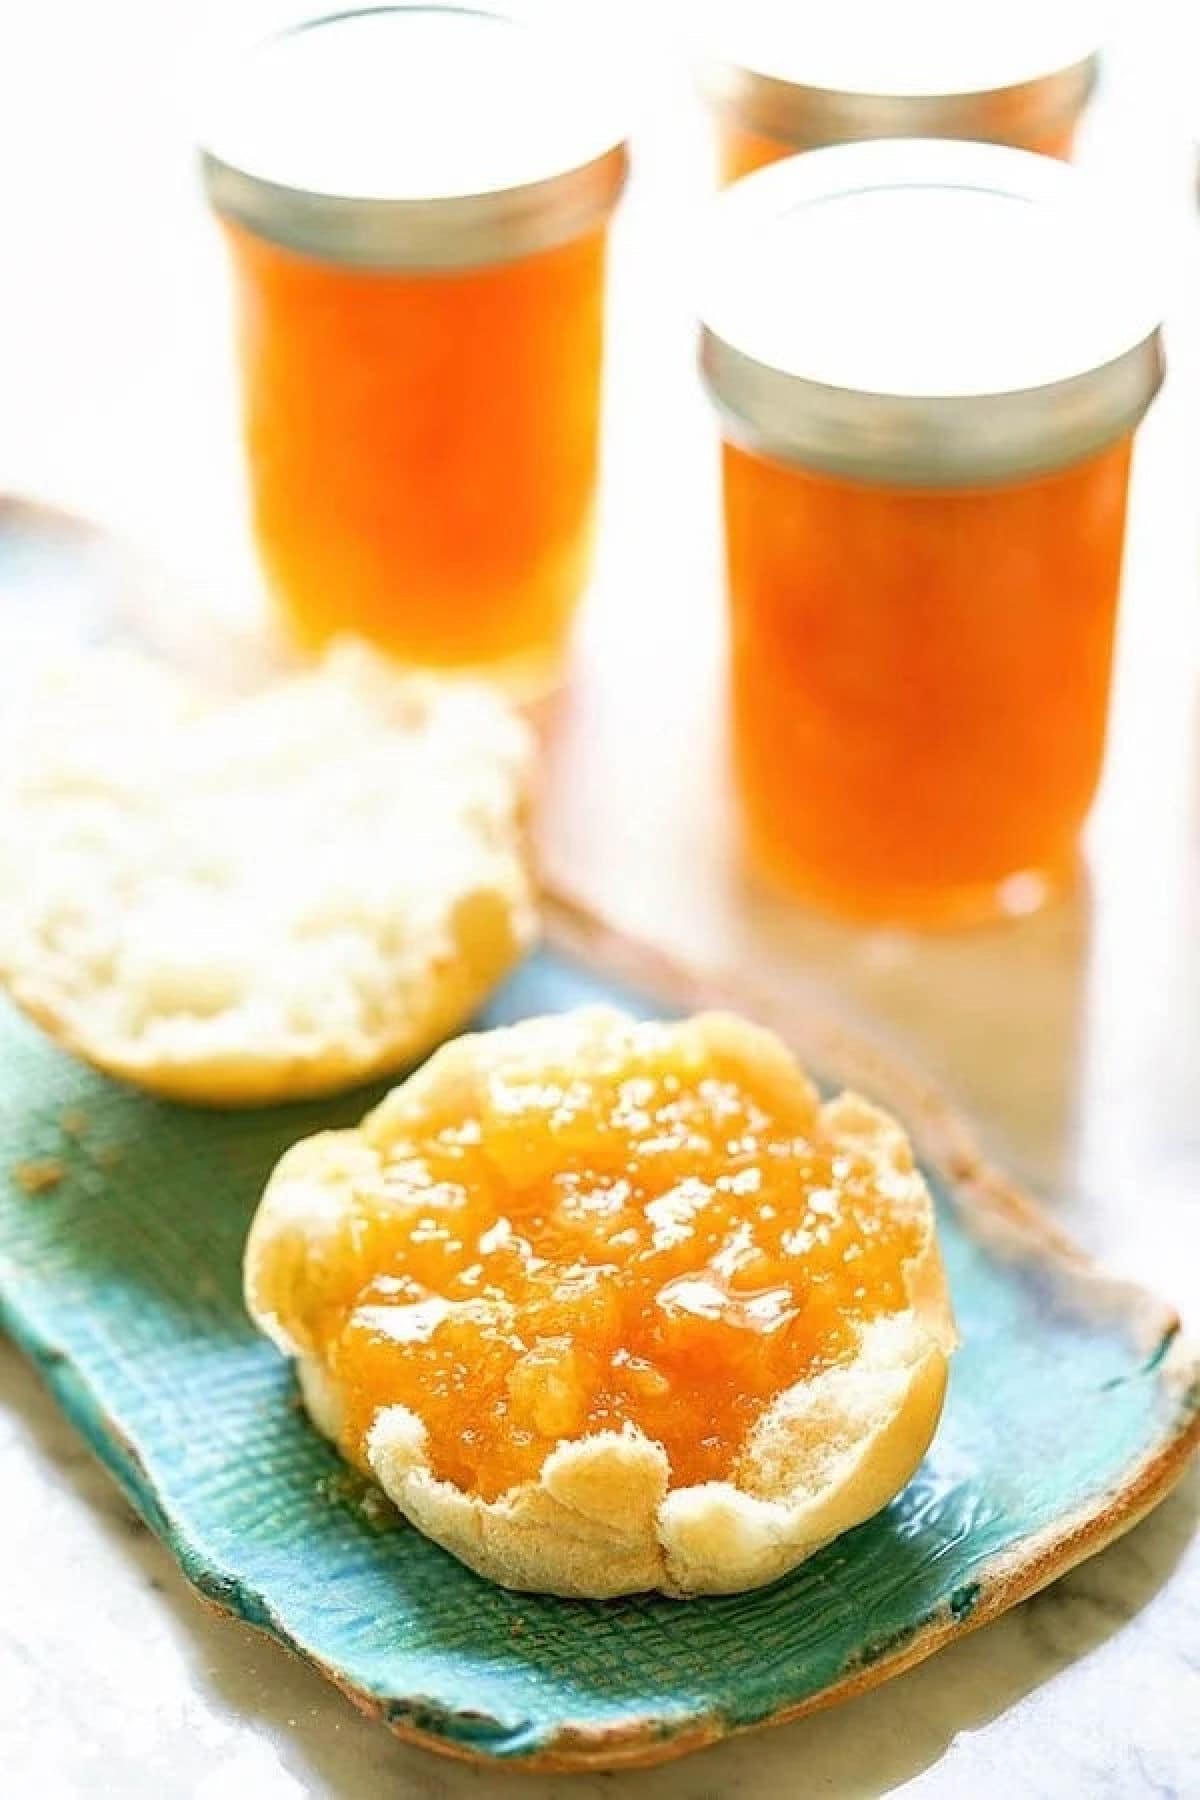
(417, 136)
(902, 68)
(927, 312)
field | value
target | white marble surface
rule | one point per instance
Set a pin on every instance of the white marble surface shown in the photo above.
(1074, 1037)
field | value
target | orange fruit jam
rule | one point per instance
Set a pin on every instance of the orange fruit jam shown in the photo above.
(659, 1237)
(422, 448)
(920, 680)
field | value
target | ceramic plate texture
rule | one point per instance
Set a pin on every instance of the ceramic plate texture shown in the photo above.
(1072, 1408)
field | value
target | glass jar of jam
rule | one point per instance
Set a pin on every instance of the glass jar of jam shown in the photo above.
(929, 359)
(782, 78)
(416, 199)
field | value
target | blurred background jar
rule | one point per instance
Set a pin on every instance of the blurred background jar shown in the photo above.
(782, 77)
(929, 359)
(416, 200)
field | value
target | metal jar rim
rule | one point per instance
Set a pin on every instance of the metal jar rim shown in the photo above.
(462, 231)
(805, 116)
(935, 441)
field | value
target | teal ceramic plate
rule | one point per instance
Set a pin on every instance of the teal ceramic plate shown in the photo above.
(1072, 1407)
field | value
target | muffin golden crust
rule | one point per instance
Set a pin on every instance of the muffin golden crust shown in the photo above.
(607, 1306)
(255, 899)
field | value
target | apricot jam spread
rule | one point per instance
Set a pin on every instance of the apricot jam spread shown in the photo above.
(656, 1231)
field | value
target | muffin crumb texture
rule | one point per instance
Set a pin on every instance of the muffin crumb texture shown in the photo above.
(261, 897)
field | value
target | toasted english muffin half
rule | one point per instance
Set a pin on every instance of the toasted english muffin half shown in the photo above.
(603, 1514)
(245, 900)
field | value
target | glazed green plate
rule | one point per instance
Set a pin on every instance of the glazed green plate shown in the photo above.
(1071, 1410)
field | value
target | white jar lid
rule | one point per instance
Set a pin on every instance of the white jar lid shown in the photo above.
(870, 68)
(417, 135)
(927, 311)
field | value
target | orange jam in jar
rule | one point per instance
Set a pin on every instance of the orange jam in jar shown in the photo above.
(929, 359)
(662, 1230)
(416, 201)
(782, 78)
